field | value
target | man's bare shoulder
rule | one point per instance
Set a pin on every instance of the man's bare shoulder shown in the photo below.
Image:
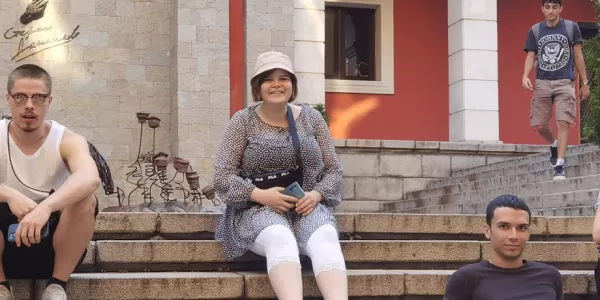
(72, 142)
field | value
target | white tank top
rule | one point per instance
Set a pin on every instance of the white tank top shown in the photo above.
(44, 170)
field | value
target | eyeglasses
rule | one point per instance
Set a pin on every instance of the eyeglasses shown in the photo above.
(38, 99)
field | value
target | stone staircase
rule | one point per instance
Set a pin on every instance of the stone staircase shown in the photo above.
(469, 190)
(389, 256)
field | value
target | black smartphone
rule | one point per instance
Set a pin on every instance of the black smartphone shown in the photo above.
(12, 230)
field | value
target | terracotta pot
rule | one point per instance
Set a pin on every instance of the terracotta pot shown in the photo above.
(153, 122)
(181, 165)
(142, 117)
(209, 192)
(194, 181)
(161, 162)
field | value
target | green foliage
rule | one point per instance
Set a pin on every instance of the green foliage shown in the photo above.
(321, 109)
(591, 52)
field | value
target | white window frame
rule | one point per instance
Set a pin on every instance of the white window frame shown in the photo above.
(384, 51)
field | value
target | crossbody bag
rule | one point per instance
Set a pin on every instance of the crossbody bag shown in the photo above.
(285, 177)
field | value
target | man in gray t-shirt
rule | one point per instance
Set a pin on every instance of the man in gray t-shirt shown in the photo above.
(506, 275)
(557, 44)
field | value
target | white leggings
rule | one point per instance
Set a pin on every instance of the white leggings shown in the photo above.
(278, 244)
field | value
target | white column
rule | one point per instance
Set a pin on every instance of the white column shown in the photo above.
(473, 70)
(309, 50)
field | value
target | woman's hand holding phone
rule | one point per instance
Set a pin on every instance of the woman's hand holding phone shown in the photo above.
(307, 204)
(274, 198)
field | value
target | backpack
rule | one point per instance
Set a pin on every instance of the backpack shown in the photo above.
(569, 24)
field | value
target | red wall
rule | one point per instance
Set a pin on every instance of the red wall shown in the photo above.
(237, 80)
(419, 109)
(515, 17)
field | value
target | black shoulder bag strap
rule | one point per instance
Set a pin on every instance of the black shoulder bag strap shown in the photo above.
(294, 134)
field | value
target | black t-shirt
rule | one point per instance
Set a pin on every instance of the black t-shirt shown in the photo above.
(485, 281)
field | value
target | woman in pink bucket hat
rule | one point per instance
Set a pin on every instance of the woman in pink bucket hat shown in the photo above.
(278, 172)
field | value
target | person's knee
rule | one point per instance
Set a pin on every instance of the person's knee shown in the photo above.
(541, 128)
(279, 245)
(325, 251)
(562, 124)
(84, 209)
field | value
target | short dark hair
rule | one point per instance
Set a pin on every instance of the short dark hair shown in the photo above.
(260, 78)
(511, 201)
(559, 2)
(29, 71)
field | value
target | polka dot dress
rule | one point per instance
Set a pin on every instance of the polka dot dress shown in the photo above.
(251, 146)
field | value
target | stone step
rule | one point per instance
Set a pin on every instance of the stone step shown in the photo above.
(571, 151)
(536, 175)
(575, 211)
(546, 204)
(201, 226)
(500, 170)
(186, 256)
(255, 285)
(522, 190)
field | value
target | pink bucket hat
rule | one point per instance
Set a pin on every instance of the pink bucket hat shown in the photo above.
(272, 60)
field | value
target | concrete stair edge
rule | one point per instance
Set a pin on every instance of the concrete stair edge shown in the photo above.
(255, 285)
(355, 252)
(572, 150)
(588, 168)
(465, 175)
(534, 202)
(143, 225)
(530, 189)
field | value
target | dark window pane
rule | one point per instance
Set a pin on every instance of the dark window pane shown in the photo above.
(349, 43)
(358, 43)
(330, 52)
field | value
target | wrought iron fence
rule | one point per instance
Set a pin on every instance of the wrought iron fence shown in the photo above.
(585, 108)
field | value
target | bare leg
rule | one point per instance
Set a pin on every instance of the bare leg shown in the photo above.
(563, 139)
(545, 132)
(73, 235)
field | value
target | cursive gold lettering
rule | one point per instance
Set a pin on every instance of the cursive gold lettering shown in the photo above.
(24, 33)
(37, 46)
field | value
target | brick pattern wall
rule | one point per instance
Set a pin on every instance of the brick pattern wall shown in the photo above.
(269, 26)
(380, 171)
(168, 58)
(200, 103)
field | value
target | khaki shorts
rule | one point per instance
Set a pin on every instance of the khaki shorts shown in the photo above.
(548, 92)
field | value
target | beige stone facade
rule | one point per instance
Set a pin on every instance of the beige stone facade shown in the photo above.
(170, 58)
(112, 58)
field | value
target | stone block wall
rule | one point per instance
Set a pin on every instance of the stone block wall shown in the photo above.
(377, 171)
(269, 26)
(200, 104)
(112, 58)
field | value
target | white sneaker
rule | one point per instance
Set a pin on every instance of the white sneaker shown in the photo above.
(6, 294)
(54, 292)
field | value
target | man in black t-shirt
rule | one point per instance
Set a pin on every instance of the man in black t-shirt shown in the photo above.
(506, 275)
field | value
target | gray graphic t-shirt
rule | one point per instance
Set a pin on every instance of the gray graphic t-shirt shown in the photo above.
(554, 51)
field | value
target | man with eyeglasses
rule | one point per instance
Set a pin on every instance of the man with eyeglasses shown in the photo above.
(47, 184)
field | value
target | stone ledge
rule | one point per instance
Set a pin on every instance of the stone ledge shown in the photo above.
(177, 254)
(361, 283)
(176, 285)
(440, 146)
(255, 285)
(349, 223)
